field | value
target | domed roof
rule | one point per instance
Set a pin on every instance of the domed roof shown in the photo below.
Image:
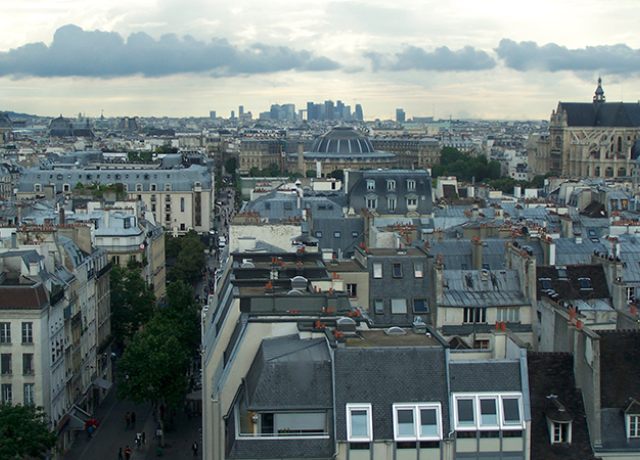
(342, 140)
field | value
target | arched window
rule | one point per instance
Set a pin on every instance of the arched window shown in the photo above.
(608, 172)
(622, 172)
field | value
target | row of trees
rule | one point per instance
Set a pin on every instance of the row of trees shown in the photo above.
(188, 251)
(465, 167)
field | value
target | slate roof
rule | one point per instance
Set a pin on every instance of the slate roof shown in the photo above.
(383, 376)
(289, 373)
(619, 351)
(467, 288)
(552, 374)
(475, 376)
(570, 288)
(602, 114)
(23, 296)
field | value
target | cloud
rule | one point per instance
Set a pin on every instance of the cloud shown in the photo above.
(76, 52)
(523, 56)
(440, 60)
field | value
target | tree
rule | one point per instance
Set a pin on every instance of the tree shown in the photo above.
(153, 366)
(191, 259)
(184, 312)
(337, 174)
(231, 165)
(132, 302)
(24, 432)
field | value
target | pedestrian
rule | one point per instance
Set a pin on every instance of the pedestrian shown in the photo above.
(138, 439)
(144, 437)
(194, 448)
(133, 418)
(127, 453)
(128, 417)
(120, 454)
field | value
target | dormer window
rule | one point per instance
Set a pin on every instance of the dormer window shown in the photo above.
(546, 283)
(558, 421)
(585, 284)
(632, 419)
(411, 184)
(371, 184)
(391, 185)
(562, 272)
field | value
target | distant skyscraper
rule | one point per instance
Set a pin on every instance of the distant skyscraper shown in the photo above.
(400, 116)
(339, 112)
(328, 105)
(359, 114)
(212, 114)
(233, 114)
(241, 110)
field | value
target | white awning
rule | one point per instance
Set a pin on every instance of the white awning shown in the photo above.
(102, 383)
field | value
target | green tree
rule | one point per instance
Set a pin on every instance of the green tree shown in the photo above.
(337, 174)
(172, 245)
(153, 366)
(132, 302)
(184, 312)
(24, 432)
(230, 165)
(191, 259)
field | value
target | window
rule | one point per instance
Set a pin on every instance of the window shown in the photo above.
(420, 306)
(167, 217)
(27, 364)
(391, 185)
(392, 203)
(412, 202)
(337, 234)
(562, 272)
(561, 433)
(501, 411)
(546, 283)
(27, 332)
(585, 284)
(377, 270)
(167, 187)
(5, 332)
(419, 422)
(371, 203)
(181, 204)
(634, 426)
(508, 315)
(352, 289)
(28, 391)
(475, 315)
(318, 234)
(359, 425)
(397, 270)
(371, 184)
(5, 364)
(418, 271)
(154, 187)
(354, 234)
(398, 306)
(138, 187)
(378, 306)
(411, 184)
(6, 393)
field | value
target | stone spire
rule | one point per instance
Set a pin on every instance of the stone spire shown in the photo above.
(599, 96)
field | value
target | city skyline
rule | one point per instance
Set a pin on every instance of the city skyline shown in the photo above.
(493, 60)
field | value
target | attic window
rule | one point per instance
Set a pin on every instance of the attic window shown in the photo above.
(546, 283)
(562, 272)
(585, 283)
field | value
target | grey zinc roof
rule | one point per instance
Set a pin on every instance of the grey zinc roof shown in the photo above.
(614, 432)
(475, 376)
(289, 373)
(383, 376)
(466, 288)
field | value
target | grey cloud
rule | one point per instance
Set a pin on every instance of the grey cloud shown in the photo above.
(76, 52)
(440, 60)
(523, 56)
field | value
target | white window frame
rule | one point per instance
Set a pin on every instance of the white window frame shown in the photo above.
(508, 314)
(417, 422)
(477, 425)
(391, 184)
(359, 407)
(5, 332)
(411, 184)
(28, 391)
(555, 432)
(633, 432)
(371, 184)
(418, 270)
(27, 332)
(377, 270)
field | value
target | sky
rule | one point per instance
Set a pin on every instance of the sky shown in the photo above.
(489, 59)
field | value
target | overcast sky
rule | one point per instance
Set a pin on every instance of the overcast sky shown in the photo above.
(461, 58)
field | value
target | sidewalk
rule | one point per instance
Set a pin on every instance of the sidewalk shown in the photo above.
(177, 444)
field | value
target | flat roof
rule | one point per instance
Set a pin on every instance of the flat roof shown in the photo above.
(379, 338)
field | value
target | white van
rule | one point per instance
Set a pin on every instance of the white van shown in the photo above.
(222, 242)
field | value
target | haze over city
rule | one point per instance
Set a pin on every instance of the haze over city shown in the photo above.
(466, 59)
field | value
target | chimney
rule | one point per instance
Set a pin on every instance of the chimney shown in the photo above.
(439, 277)
(301, 165)
(567, 226)
(476, 253)
(549, 250)
(62, 221)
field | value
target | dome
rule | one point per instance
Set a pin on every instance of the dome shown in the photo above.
(342, 140)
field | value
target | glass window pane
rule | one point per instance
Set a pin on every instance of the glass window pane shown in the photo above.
(465, 412)
(398, 306)
(511, 410)
(359, 426)
(428, 422)
(420, 306)
(405, 422)
(488, 412)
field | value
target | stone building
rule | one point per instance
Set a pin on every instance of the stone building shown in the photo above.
(589, 139)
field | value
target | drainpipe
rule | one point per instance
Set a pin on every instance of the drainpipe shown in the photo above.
(333, 392)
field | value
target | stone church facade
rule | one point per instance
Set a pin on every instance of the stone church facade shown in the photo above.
(597, 139)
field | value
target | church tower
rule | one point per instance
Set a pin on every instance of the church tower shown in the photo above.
(599, 95)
